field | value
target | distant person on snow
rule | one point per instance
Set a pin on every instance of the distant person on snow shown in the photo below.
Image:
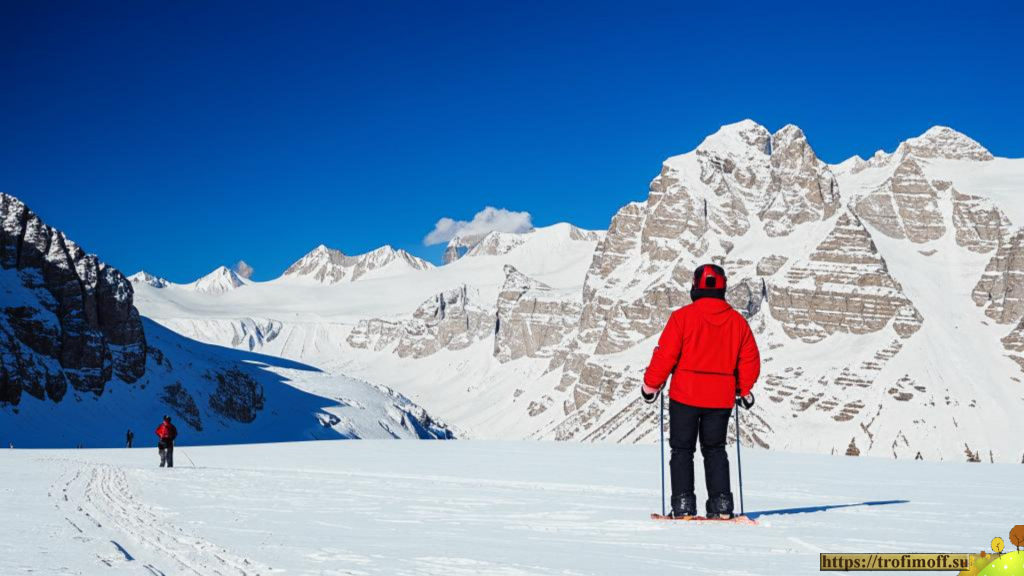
(129, 437)
(710, 352)
(166, 432)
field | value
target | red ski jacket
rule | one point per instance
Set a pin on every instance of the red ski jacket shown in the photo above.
(710, 352)
(167, 431)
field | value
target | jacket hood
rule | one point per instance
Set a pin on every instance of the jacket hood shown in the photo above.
(713, 310)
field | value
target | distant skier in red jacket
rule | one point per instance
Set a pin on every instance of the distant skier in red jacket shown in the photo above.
(710, 352)
(167, 433)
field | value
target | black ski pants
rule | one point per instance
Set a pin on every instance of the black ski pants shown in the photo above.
(686, 425)
(166, 453)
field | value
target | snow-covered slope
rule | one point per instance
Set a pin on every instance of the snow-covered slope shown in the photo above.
(454, 508)
(887, 296)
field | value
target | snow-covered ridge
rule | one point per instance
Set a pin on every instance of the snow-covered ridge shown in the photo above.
(500, 243)
(330, 266)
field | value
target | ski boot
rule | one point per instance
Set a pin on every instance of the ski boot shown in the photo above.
(719, 506)
(684, 506)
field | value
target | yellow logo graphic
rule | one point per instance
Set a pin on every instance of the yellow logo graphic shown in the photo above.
(1009, 564)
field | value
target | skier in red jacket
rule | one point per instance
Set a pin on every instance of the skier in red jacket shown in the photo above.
(710, 352)
(167, 434)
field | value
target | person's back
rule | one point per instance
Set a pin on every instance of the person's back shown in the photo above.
(710, 352)
(711, 355)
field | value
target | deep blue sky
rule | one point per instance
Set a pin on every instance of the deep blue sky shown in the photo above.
(180, 135)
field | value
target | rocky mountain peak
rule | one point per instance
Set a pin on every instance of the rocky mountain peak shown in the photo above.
(323, 264)
(220, 281)
(143, 277)
(741, 139)
(946, 143)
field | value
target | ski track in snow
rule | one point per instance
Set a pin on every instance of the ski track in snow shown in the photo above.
(98, 501)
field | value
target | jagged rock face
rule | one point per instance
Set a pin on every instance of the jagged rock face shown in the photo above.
(448, 320)
(531, 321)
(905, 206)
(843, 286)
(978, 222)
(70, 319)
(802, 189)
(769, 265)
(1001, 287)
(238, 396)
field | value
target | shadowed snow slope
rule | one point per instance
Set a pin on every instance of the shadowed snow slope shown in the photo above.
(458, 508)
(203, 388)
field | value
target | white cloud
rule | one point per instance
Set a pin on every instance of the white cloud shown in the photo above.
(489, 219)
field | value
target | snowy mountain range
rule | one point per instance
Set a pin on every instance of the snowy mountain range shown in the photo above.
(80, 366)
(885, 295)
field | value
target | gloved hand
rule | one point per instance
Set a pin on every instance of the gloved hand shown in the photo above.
(747, 401)
(649, 394)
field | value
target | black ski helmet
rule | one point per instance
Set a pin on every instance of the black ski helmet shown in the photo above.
(708, 282)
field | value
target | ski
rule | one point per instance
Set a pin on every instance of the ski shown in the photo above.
(745, 520)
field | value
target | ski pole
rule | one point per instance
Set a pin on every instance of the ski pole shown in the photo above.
(183, 453)
(661, 427)
(739, 463)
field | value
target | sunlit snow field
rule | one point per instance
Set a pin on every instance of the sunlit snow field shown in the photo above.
(504, 508)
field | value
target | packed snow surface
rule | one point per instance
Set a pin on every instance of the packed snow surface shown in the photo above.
(497, 508)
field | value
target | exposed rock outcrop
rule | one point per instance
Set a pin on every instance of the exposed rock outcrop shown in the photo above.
(769, 265)
(531, 319)
(905, 206)
(843, 286)
(1001, 288)
(69, 318)
(979, 223)
(238, 395)
(802, 188)
(450, 320)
